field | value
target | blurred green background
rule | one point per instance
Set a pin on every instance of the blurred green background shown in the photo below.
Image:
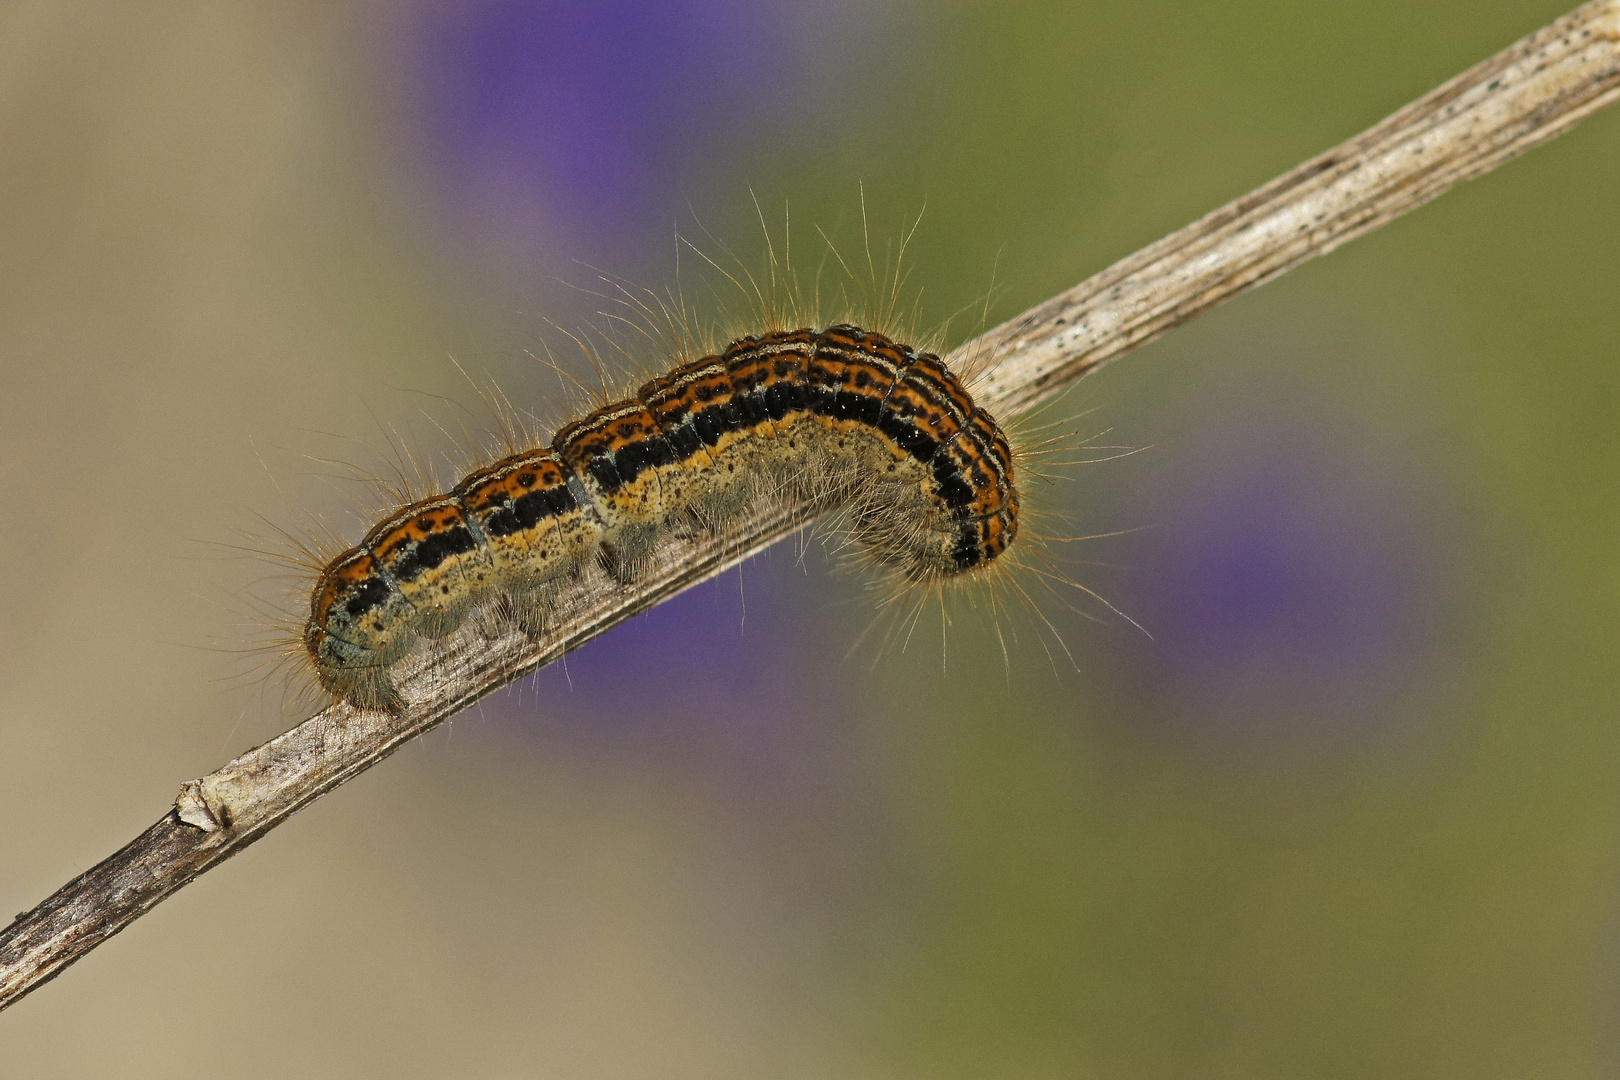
(1351, 811)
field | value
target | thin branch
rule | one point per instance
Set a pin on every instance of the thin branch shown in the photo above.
(1538, 88)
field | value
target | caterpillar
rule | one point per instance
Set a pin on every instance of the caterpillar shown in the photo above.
(845, 416)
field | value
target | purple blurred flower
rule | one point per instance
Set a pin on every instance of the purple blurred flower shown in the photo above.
(1291, 587)
(581, 118)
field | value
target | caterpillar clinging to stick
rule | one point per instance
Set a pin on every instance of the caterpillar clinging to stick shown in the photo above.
(844, 416)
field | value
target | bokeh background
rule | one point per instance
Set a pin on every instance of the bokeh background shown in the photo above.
(1350, 811)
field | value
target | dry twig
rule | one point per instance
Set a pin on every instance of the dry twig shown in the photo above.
(1536, 89)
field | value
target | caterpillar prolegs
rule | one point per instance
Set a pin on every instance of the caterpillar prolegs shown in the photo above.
(845, 416)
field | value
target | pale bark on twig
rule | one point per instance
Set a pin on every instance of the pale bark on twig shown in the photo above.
(1534, 90)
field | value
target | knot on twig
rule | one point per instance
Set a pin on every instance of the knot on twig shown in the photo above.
(193, 807)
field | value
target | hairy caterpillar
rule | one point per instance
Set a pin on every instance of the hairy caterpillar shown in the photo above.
(845, 416)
